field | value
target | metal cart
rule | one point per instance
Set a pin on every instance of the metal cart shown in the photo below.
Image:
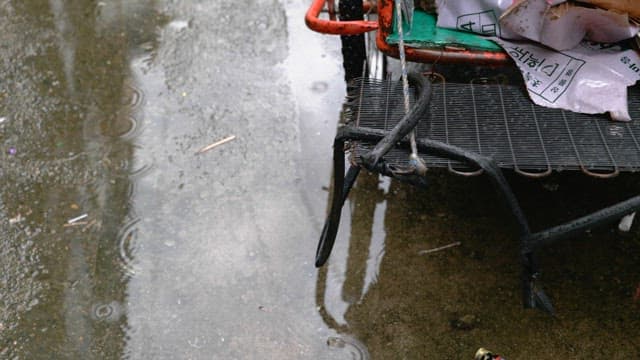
(476, 127)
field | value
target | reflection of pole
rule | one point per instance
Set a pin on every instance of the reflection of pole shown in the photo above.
(364, 199)
(86, 283)
(353, 49)
(66, 41)
(321, 290)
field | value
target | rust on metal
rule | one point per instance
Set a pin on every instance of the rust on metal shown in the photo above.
(446, 55)
(313, 21)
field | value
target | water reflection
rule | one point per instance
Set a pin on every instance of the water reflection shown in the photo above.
(70, 111)
(342, 286)
(449, 303)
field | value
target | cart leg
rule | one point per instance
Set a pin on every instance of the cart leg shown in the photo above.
(532, 294)
(342, 184)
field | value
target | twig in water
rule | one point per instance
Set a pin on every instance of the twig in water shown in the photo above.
(75, 223)
(78, 218)
(89, 225)
(422, 252)
(215, 144)
(16, 219)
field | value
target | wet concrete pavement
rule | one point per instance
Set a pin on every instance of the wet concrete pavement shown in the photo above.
(103, 107)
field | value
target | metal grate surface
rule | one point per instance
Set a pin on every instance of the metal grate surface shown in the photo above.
(500, 121)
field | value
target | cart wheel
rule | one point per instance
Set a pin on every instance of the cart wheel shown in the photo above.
(360, 54)
(353, 46)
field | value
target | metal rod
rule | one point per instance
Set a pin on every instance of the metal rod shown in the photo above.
(506, 126)
(445, 150)
(475, 117)
(330, 229)
(544, 151)
(420, 111)
(600, 217)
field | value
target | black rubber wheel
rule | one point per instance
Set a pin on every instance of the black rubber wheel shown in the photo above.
(353, 46)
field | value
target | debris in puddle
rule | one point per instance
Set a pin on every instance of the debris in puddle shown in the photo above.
(77, 223)
(77, 218)
(179, 24)
(3, 119)
(440, 248)
(626, 222)
(335, 342)
(264, 308)
(484, 354)
(90, 224)
(466, 322)
(216, 144)
(17, 219)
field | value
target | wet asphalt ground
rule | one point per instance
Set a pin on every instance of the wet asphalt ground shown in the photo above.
(119, 240)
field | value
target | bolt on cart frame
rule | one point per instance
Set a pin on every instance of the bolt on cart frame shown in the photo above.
(481, 127)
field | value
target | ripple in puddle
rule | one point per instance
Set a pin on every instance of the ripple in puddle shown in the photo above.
(124, 168)
(126, 239)
(348, 345)
(124, 127)
(107, 312)
(319, 87)
(141, 171)
(132, 96)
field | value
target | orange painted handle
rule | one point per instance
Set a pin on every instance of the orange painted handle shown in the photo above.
(335, 27)
(444, 55)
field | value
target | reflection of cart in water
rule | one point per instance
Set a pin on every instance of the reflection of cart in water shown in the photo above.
(470, 118)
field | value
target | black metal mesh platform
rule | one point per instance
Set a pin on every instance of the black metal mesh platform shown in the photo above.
(501, 122)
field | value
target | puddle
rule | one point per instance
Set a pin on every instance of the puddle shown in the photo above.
(73, 150)
(211, 255)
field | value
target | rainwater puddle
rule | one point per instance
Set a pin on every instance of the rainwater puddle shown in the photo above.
(118, 241)
(68, 237)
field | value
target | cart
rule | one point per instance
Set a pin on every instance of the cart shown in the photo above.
(482, 126)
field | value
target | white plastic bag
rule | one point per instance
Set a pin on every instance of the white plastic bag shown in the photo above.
(587, 79)
(478, 16)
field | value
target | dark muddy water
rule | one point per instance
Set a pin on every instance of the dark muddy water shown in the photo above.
(118, 240)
